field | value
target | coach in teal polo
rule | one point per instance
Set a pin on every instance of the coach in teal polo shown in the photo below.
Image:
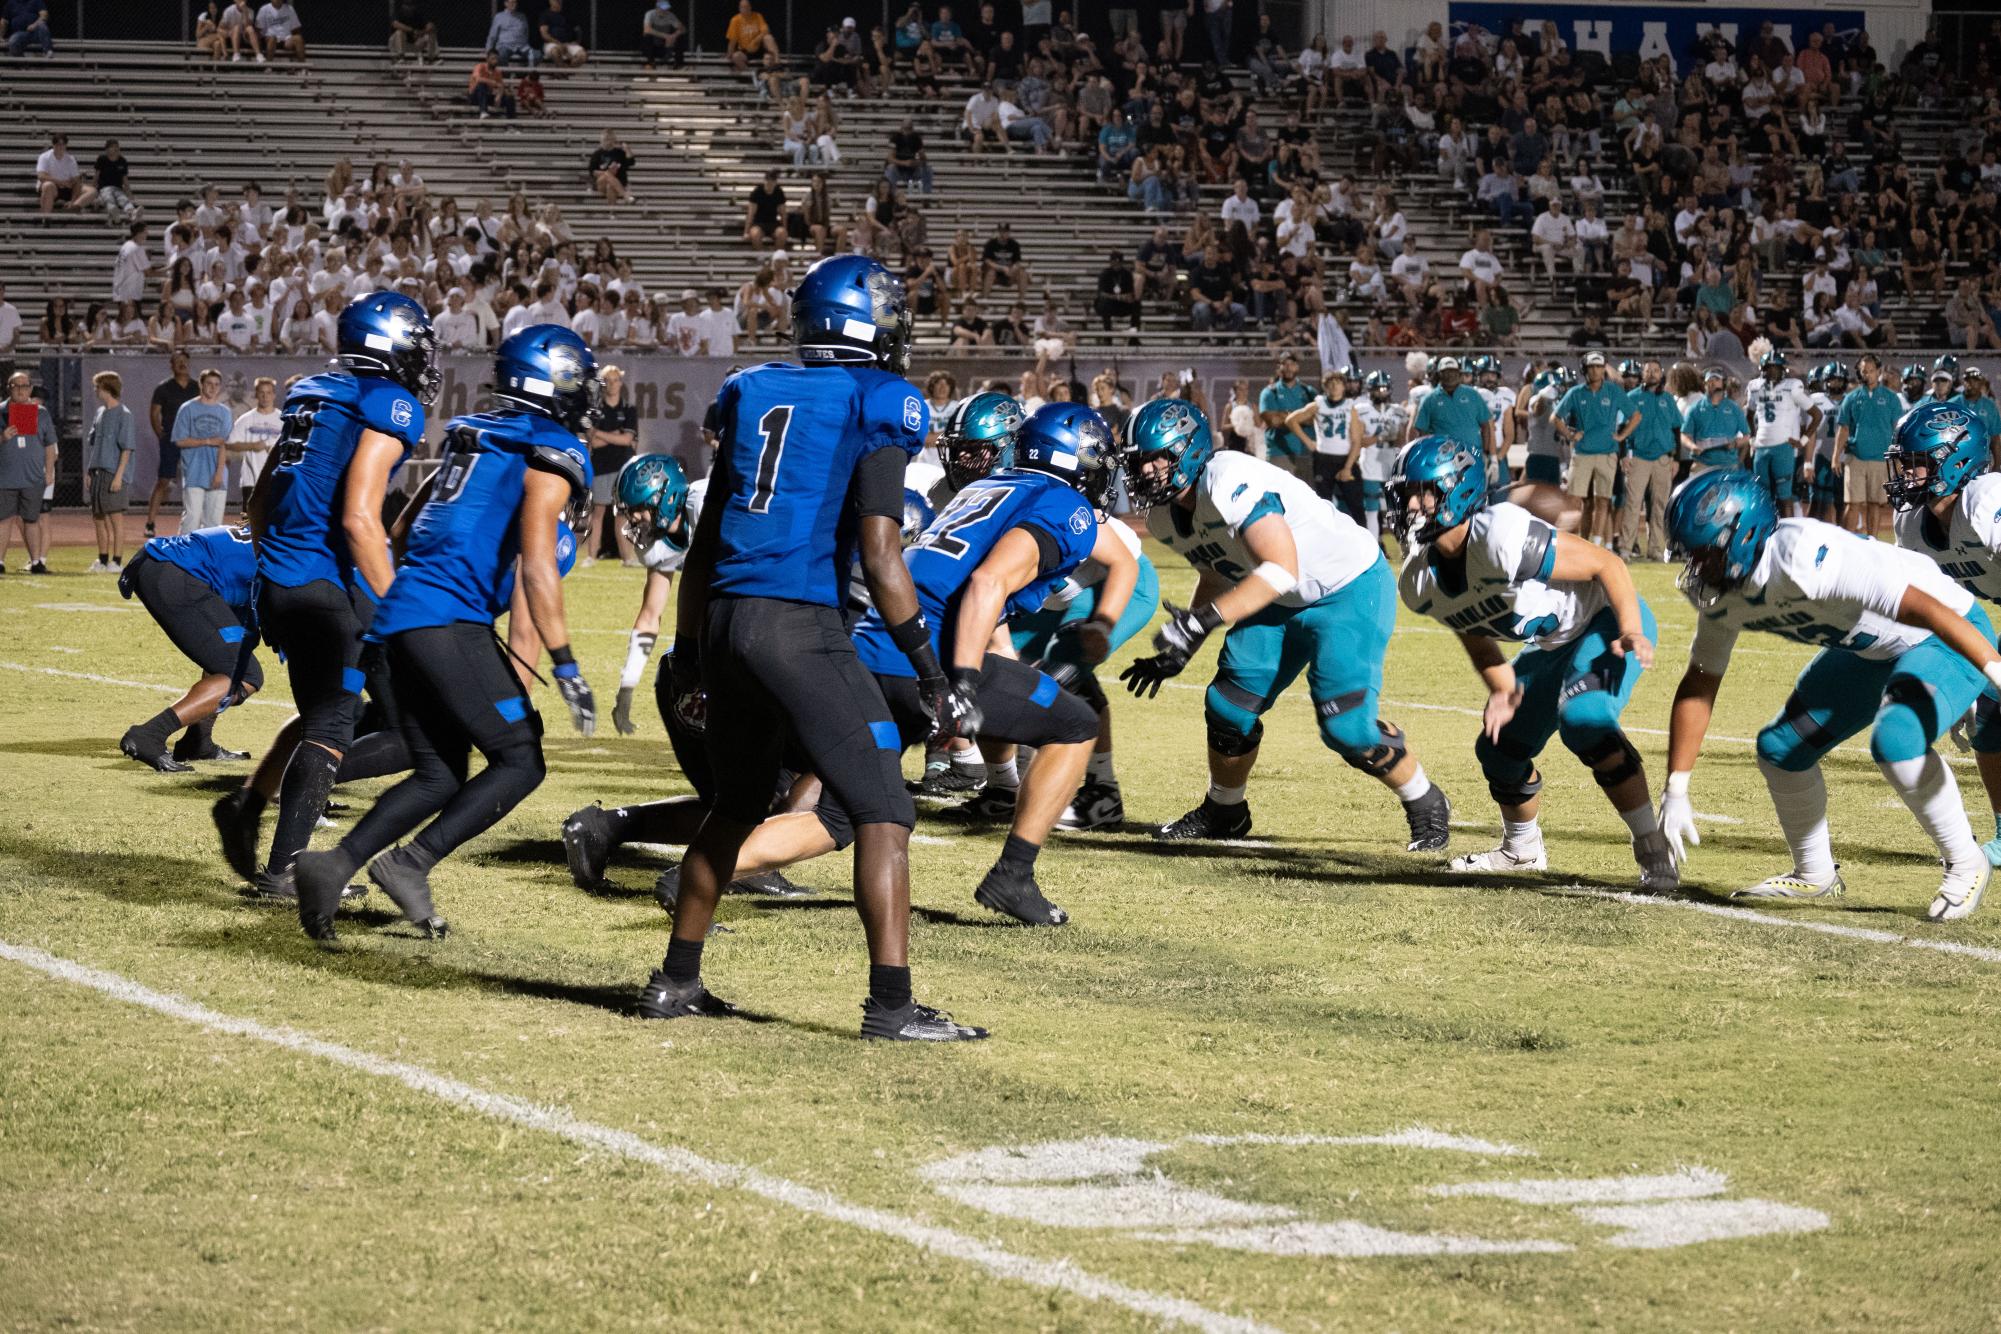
(1593, 416)
(1649, 463)
(1863, 429)
(1979, 396)
(1455, 410)
(1285, 395)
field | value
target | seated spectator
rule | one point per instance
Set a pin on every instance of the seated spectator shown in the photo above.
(279, 27)
(969, 328)
(1016, 123)
(25, 25)
(907, 163)
(1861, 329)
(838, 66)
(509, 37)
(1967, 322)
(457, 328)
(1213, 292)
(611, 168)
(412, 30)
(948, 40)
(662, 35)
(208, 30)
(1000, 260)
(1348, 71)
(529, 93)
(59, 178)
(1239, 209)
(110, 172)
(238, 28)
(559, 37)
(748, 37)
(1053, 337)
(981, 121)
(486, 88)
(1555, 237)
(1118, 293)
(764, 213)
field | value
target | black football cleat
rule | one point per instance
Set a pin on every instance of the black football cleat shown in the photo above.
(587, 845)
(192, 747)
(770, 884)
(266, 887)
(1019, 897)
(409, 887)
(945, 782)
(318, 883)
(1209, 820)
(238, 827)
(137, 746)
(992, 803)
(663, 998)
(912, 1022)
(1430, 818)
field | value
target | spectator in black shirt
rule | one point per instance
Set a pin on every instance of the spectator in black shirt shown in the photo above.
(412, 31)
(1159, 265)
(1004, 58)
(1212, 292)
(763, 216)
(907, 163)
(559, 37)
(614, 433)
(969, 330)
(1156, 133)
(611, 166)
(1118, 293)
(1015, 330)
(1000, 259)
(111, 170)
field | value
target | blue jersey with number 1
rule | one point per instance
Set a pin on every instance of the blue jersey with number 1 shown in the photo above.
(944, 558)
(791, 439)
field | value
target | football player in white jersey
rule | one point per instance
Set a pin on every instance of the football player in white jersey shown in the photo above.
(1905, 651)
(1496, 573)
(1949, 508)
(1781, 417)
(1335, 428)
(1826, 387)
(1383, 422)
(1298, 587)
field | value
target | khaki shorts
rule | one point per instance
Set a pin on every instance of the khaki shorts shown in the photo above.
(1864, 481)
(1592, 474)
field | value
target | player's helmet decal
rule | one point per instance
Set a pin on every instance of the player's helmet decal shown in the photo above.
(977, 437)
(1070, 441)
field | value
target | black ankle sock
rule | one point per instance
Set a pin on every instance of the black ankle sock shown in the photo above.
(159, 727)
(1018, 854)
(684, 960)
(308, 780)
(889, 985)
(104, 558)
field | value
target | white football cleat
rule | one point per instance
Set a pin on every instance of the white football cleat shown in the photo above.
(1500, 859)
(1959, 894)
(1792, 885)
(1658, 873)
(1096, 806)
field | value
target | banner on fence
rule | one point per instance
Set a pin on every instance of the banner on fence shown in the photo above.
(1650, 30)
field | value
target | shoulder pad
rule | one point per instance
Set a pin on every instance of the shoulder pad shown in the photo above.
(567, 463)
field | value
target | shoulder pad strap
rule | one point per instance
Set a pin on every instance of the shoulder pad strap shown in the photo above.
(564, 463)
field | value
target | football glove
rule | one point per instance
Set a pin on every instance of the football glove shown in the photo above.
(952, 704)
(576, 693)
(1085, 642)
(1145, 675)
(1677, 818)
(621, 712)
(1181, 638)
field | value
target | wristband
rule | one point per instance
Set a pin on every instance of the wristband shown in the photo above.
(925, 663)
(969, 677)
(1677, 783)
(911, 634)
(1208, 617)
(566, 662)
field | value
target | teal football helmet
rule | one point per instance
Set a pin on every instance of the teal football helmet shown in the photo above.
(977, 437)
(651, 499)
(1167, 429)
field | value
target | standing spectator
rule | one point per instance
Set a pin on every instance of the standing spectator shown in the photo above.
(683, 330)
(59, 177)
(201, 429)
(1216, 16)
(278, 24)
(107, 464)
(1279, 400)
(25, 24)
(239, 30)
(168, 397)
(487, 86)
(1000, 259)
(719, 326)
(508, 36)
(132, 268)
(610, 168)
(613, 436)
(1118, 293)
(907, 163)
(25, 470)
(251, 438)
(747, 36)
(662, 35)
(412, 30)
(559, 37)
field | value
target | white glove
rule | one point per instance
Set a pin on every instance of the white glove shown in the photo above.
(1677, 818)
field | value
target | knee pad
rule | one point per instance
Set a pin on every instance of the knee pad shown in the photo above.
(1225, 739)
(1792, 742)
(1588, 722)
(1385, 751)
(1511, 773)
(1613, 761)
(1905, 723)
(1227, 708)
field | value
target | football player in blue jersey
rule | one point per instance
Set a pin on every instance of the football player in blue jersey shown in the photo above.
(498, 496)
(810, 465)
(197, 587)
(323, 558)
(1296, 586)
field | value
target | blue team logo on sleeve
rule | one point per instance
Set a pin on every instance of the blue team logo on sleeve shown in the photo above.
(401, 411)
(913, 413)
(1080, 523)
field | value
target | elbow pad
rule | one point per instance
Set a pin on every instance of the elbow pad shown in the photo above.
(1281, 580)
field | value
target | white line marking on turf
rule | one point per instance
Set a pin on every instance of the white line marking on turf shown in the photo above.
(1981, 952)
(1731, 819)
(82, 606)
(1687, 1184)
(1057, 1275)
(130, 685)
(1683, 1222)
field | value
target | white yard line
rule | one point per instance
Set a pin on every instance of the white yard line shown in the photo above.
(130, 685)
(1055, 1275)
(1980, 952)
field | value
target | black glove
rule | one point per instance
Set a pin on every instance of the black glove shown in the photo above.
(576, 693)
(952, 704)
(1181, 638)
(1085, 643)
(1143, 678)
(621, 712)
(689, 702)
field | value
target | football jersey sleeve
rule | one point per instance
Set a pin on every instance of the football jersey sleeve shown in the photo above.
(561, 453)
(893, 413)
(1241, 503)
(388, 407)
(1842, 570)
(1980, 504)
(1513, 543)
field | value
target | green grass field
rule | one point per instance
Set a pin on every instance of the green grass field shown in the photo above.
(1668, 1118)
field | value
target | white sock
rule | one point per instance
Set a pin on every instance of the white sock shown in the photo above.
(1520, 840)
(1801, 802)
(1641, 821)
(1099, 768)
(1006, 774)
(968, 761)
(1415, 788)
(1927, 786)
(1375, 518)
(1226, 796)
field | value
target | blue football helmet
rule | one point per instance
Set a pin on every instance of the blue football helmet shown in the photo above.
(1070, 441)
(1937, 450)
(388, 334)
(917, 515)
(1450, 474)
(1722, 519)
(1773, 358)
(1171, 429)
(651, 498)
(977, 436)
(850, 309)
(548, 369)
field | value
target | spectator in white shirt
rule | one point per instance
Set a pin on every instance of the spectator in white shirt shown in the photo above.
(1555, 237)
(588, 323)
(239, 30)
(683, 331)
(59, 177)
(326, 321)
(1594, 239)
(1412, 275)
(251, 438)
(234, 327)
(298, 333)
(10, 325)
(455, 326)
(258, 307)
(546, 309)
(1241, 208)
(279, 26)
(1347, 68)
(253, 215)
(1480, 265)
(981, 122)
(1817, 281)
(133, 267)
(719, 326)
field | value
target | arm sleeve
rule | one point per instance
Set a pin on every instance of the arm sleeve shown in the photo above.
(637, 650)
(878, 485)
(1049, 551)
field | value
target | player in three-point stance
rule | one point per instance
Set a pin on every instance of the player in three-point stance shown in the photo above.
(197, 587)
(811, 463)
(1494, 573)
(1298, 586)
(1904, 651)
(1948, 506)
(323, 560)
(498, 497)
